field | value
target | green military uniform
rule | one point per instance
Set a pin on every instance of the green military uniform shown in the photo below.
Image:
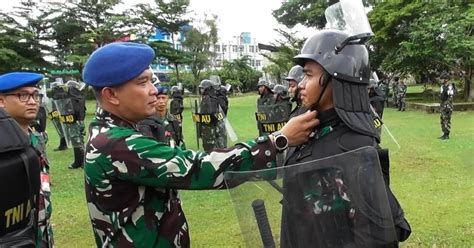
(173, 131)
(44, 236)
(131, 182)
(401, 95)
(446, 108)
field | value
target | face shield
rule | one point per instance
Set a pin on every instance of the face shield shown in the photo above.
(349, 16)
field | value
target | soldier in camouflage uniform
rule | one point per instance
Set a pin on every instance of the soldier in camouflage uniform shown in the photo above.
(401, 95)
(163, 126)
(21, 100)
(176, 105)
(447, 93)
(295, 76)
(74, 129)
(213, 134)
(58, 93)
(131, 180)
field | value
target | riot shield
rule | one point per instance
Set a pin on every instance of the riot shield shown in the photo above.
(66, 117)
(271, 118)
(338, 201)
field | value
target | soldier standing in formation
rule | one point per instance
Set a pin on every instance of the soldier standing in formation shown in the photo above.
(294, 78)
(212, 133)
(344, 126)
(20, 98)
(163, 126)
(176, 104)
(266, 94)
(447, 93)
(57, 94)
(401, 94)
(136, 202)
(74, 127)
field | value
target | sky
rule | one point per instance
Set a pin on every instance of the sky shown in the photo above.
(234, 16)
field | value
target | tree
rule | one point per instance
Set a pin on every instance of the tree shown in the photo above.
(282, 59)
(24, 38)
(198, 41)
(168, 17)
(84, 26)
(239, 74)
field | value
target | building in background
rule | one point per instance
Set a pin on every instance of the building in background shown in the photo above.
(242, 45)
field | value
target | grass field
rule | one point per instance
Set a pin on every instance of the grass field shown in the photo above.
(431, 178)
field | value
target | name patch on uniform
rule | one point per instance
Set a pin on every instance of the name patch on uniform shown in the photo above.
(260, 116)
(377, 122)
(53, 114)
(272, 127)
(68, 119)
(178, 117)
(207, 118)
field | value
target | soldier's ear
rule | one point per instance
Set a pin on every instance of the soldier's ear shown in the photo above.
(2, 101)
(109, 96)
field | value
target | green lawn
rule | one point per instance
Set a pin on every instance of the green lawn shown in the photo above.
(431, 178)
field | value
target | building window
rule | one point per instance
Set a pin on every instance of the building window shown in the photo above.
(234, 48)
(217, 48)
(252, 63)
(251, 49)
(224, 48)
(241, 48)
(257, 63)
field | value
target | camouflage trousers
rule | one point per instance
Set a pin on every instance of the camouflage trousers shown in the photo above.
(213, 136)
(401, 102)
(445, 118)
(75, 134)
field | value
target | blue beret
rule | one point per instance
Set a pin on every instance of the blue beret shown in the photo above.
(162, 90)
(14, 80)
(117, 63)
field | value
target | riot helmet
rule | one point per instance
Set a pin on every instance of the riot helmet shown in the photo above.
(174, 89)
(344, 59)
(262, 82)
(296, 73)
(75, 84)
(445, 75)
(280, 90)
(206, 85)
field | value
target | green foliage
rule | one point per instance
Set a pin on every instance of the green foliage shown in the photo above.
(23, 36)
(198, 42)
(239, 74)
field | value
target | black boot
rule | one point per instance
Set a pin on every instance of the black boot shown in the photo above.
(78, 158)
(62, 145)
(445, 136)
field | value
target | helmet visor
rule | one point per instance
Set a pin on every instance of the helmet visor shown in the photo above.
(348, 16)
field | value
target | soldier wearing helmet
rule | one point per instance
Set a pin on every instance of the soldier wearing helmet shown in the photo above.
(212, 133)
(294, 78)
(176, 104)
(75, 129)
(337, 73)
(266, 94)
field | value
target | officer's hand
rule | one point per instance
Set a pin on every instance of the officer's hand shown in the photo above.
(298, 129)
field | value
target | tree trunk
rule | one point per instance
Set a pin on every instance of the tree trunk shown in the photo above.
(468, 89)
(177, 72)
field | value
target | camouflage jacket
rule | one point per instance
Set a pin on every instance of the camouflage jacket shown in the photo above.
(173, 131)
(131, 182)
(44, 237)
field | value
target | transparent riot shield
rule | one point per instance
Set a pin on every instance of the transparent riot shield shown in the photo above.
(271, 118)
(66, 116)
(337, 201)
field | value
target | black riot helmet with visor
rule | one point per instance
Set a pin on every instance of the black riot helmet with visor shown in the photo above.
(341, 51)
(206, 86)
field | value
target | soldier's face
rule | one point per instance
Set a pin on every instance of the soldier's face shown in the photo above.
(162, 103)
(311, 88)
(261, 89)
(292, 88)
(136, 99)
(22, 111)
